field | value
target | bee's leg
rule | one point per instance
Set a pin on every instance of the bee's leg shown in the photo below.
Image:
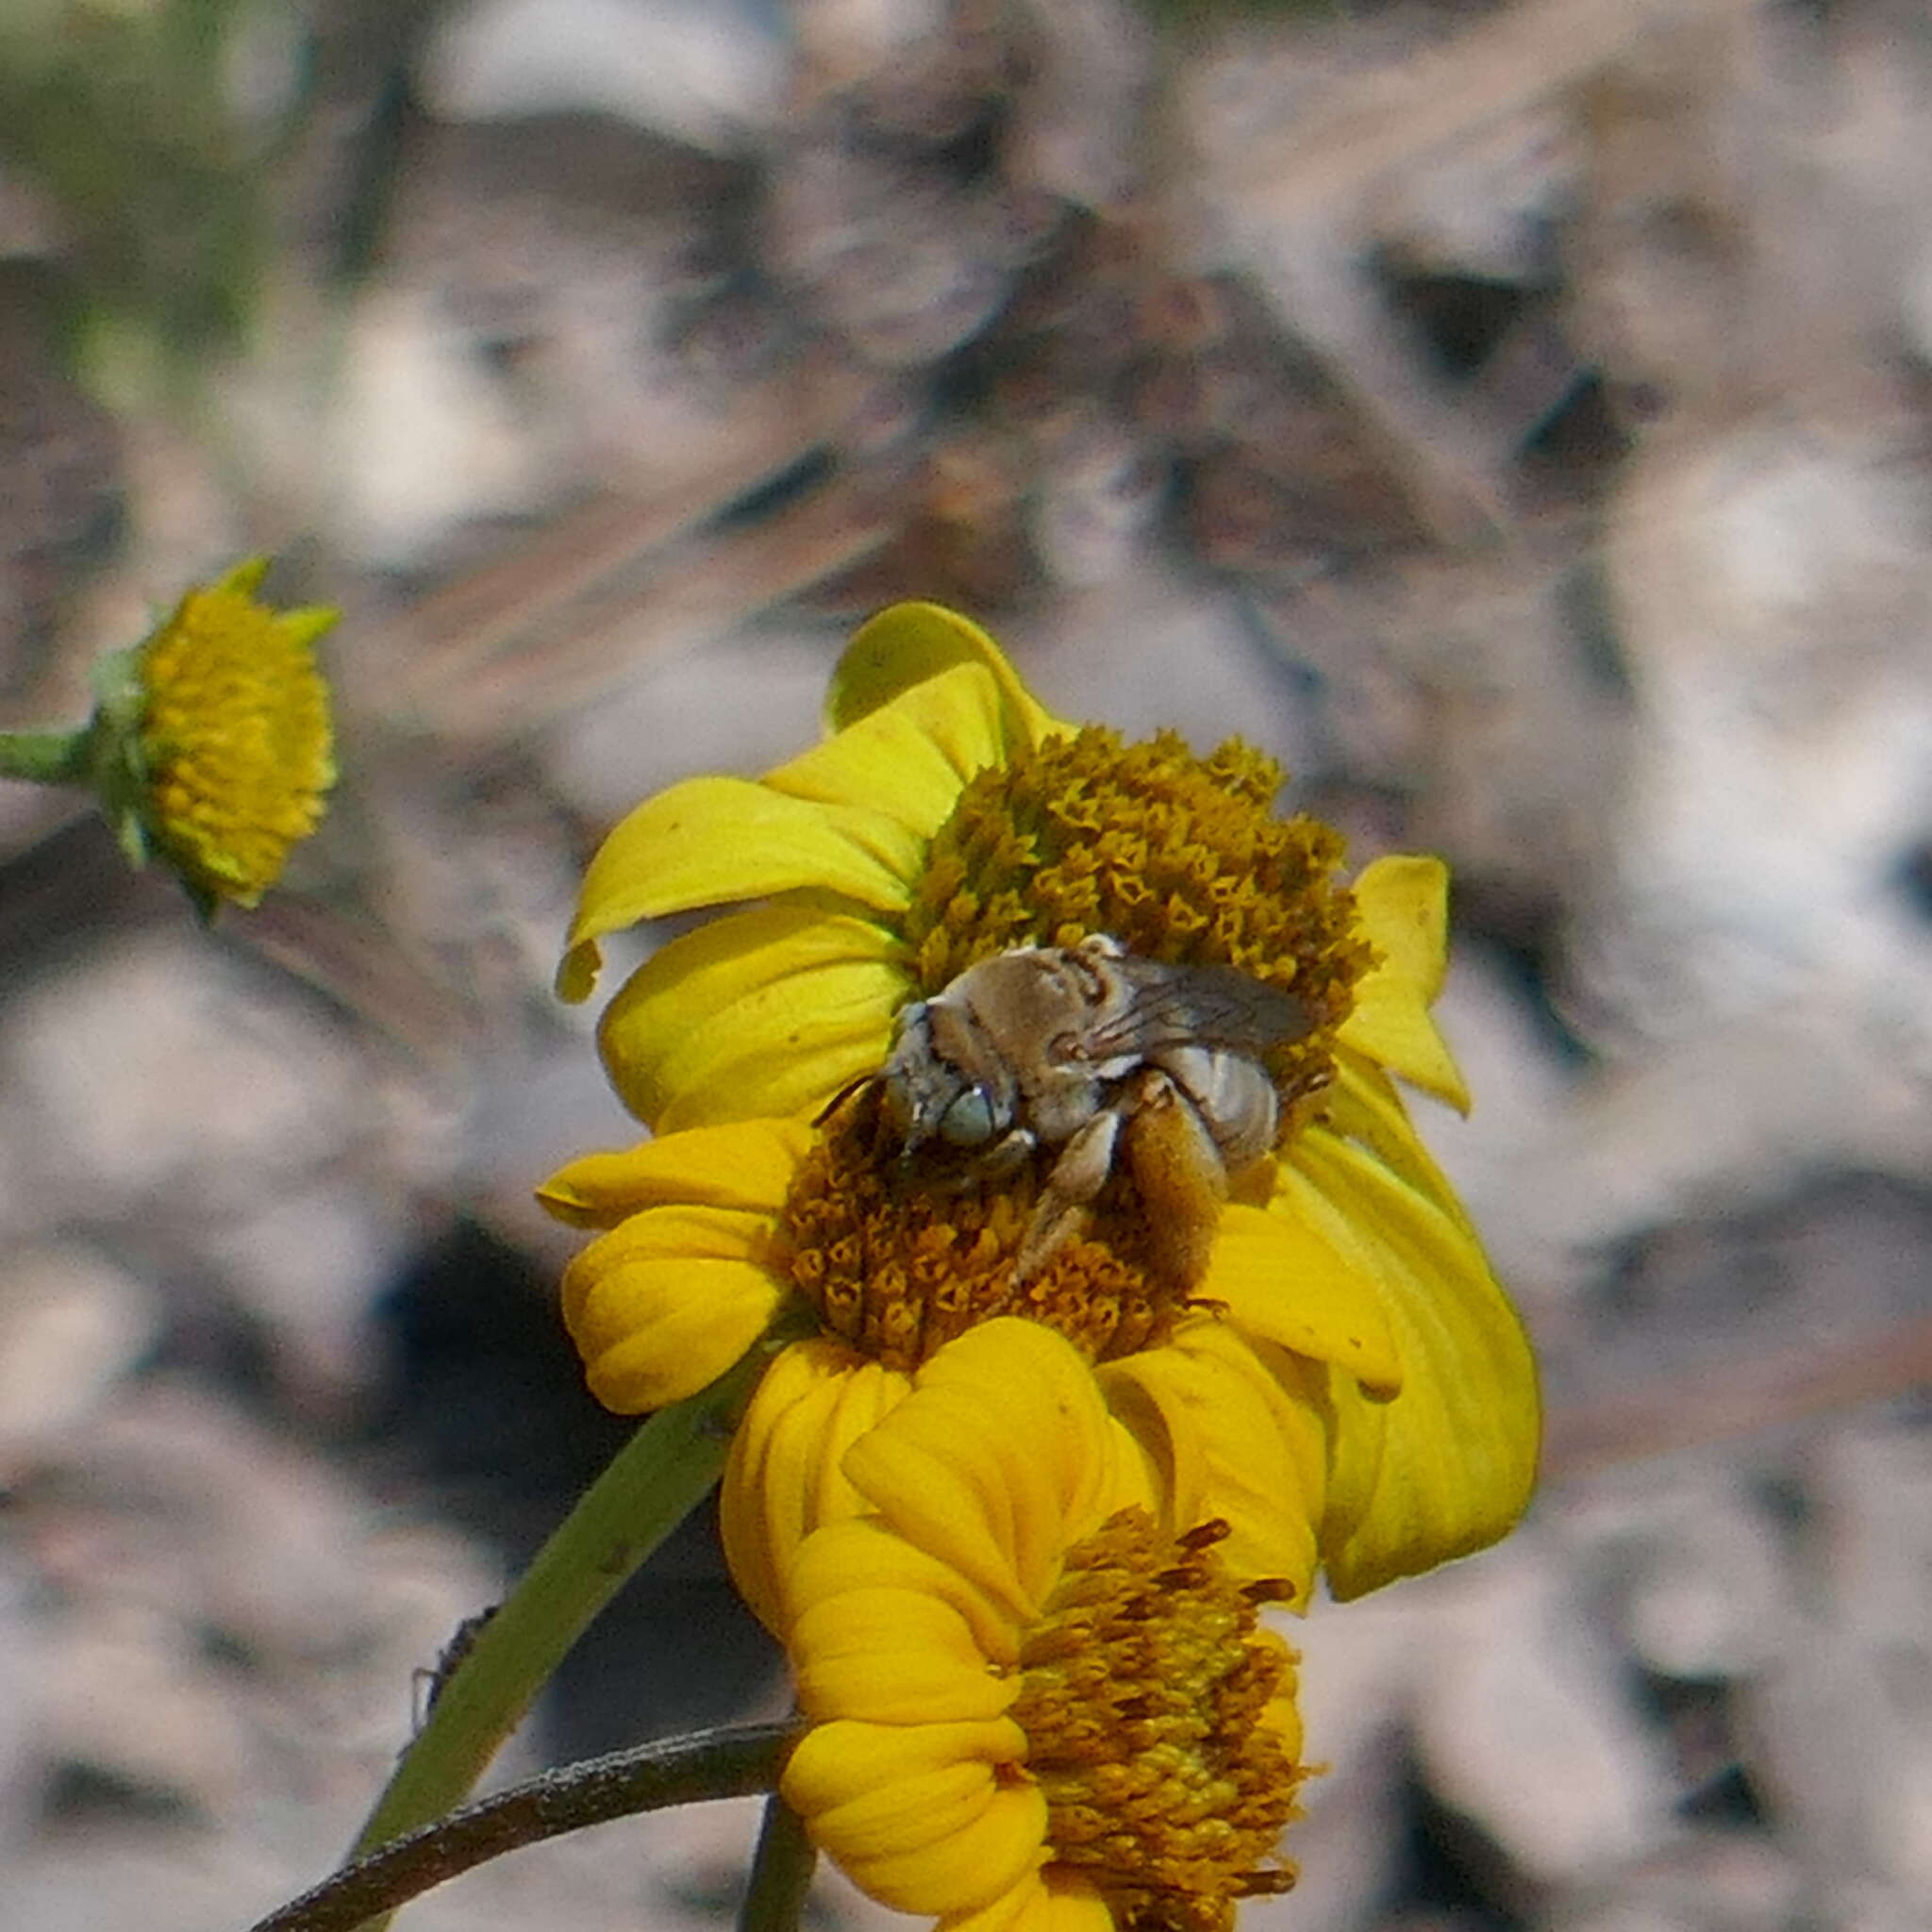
(1231, 1094)
(1008, 1155)
(1078, 1175)
(1005, 1157)
(1179, 1173)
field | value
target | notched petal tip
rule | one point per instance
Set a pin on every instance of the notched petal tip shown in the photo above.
(576, 974)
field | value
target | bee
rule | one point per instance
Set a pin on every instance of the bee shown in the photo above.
(1100, 1055)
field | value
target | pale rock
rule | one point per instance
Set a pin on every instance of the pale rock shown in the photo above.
(307, 1266)
(1147, 651)
(1773, 590)
(1873, 1486)
(1080, 119)
(159, 1065)
(1689, 1559)
(72, 1325)
(1707, 1593)
(749, 700)
(1735, 1116)
(1522, 1725)
(1683, 1562)
(1095, 500)
(422, 439)
(710, 76)
(1522, 1095)
(1836, 1739)
(121, 1694)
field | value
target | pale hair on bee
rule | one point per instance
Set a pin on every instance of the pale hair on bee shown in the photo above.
(1101, 1053)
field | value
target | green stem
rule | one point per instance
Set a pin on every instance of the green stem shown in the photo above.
(47, 757)
(652, 1484)
(728, 1763)
(780, 1872)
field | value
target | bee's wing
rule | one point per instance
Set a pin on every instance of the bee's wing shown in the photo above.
(1197, 1006)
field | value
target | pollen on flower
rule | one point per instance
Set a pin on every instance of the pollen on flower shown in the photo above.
(235, 736)
(899, 1271)
(1177, 857)
(1145, 1691)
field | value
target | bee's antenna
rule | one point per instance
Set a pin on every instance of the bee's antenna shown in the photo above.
(840, 1098)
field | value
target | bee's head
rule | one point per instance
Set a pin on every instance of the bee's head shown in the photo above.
(926, 1094)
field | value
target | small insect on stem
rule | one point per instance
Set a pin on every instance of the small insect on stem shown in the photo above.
(428, 1682)
(1102, 1055)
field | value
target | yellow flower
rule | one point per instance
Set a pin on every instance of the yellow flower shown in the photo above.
(948, 818)
(213, 740)
(1035, 1704)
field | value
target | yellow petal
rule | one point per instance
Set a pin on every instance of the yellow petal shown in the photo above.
(709, 842)
(910, 642)
(770, 1012)
(912, 757)
(861, 1553)
(1363, 1106)
(783, 1477)
(748, 1165)
(893, 1655)
(1235, 1444)
(1002, 1456)
(665, 1303)
(1447, 1467)
(919, 1815)
(1055, 1900)
(1282, 1713)
(1280, 1278)
(1402, 903)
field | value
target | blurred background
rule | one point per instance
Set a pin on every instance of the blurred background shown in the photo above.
(1514, 416)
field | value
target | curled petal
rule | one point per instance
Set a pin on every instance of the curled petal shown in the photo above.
(1053, 1901)
(748, 1165)
(910, 757)
(1402, 903)
(894, 1654)
(1002, 1456)
(908, 644)
(1235, 1442)
(665, 1303)
(860, 1553)
(920, 1815)
(783, 1478)
(769, 1010)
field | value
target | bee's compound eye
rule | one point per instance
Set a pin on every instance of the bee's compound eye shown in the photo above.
(968, 1121)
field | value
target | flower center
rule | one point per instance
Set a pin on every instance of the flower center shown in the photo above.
(899, 1270)
(234, 738)
(1178, 858)
(1145, 1696)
